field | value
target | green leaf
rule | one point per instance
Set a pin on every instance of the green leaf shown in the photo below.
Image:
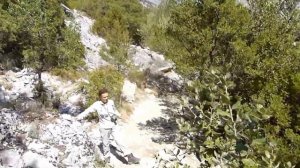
(223, 113)
(267, 153)
(225, 99)
(243, 153)
(236, 105)
(260, 141)
(249, 162)
(265, 116)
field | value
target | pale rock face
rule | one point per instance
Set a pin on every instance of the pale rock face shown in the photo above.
(22, 85)
(61, 143)
(69, 135)
(91, 42)
(11, 158)
(128, 91)
(32, 159)
(3, 95)
(149, 3)
(145, 59)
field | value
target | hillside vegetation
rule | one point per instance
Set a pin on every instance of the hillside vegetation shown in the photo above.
(33, 34)
(118, 21)
(243, 60)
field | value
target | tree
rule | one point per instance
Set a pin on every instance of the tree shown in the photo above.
(9, 46)
(40, 37)
(256, 46)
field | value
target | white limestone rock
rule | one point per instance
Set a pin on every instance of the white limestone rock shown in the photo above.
(128, 91)
(4, 97)
(35, 160)
(46, 150)
(11, 158)
(91, 42)
(145, 59)
(78, 148)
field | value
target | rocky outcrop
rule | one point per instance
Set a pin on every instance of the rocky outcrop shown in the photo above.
(161, 71)
(67, 143)
(91, 42)
(9, 129)
(61, 143)
(144, 58)
(17, 89)
(128, 91)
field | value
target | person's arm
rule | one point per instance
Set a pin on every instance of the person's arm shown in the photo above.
(115, 111)
(92, 108)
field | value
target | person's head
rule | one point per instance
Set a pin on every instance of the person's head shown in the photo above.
(103, 95)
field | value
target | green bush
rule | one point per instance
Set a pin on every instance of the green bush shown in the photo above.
(107, 77)
(137, 76)
(33, 34)
(256, 45)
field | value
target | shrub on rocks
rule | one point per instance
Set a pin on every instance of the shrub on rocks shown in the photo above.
(107, 77)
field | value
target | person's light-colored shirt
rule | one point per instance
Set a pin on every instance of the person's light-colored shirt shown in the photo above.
(105, 112)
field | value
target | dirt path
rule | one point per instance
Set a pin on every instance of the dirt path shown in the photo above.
(136, 137)
(138, 140)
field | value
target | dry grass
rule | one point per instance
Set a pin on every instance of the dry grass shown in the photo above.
(126, 110)
(138, 77)
(65, 74)
(6, 85)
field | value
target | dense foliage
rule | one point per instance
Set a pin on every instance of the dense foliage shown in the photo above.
(245, 64)
(105, 77)
(33, 34)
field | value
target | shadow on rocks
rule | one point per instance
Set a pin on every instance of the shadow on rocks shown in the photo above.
(167, 129)
(70, 109)
(113, 150)
(163, 84)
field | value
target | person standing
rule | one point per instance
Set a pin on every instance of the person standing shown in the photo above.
(108, 116)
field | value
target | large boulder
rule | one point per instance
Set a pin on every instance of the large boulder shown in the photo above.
(156, 67)
(144, 58)
(128, 91)
(91, 42)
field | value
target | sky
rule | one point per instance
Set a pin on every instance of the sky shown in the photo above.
(155, 1)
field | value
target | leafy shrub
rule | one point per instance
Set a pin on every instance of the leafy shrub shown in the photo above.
(27, 39)
(107, 77)
(224, 129)
(70, 50)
